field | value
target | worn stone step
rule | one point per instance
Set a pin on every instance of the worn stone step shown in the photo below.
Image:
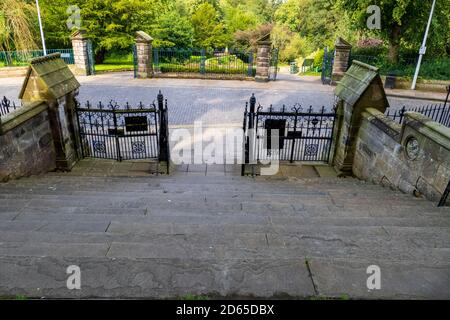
(154, 278)
(170, 278)
(174, 249)
(399, 280)
(273, 236)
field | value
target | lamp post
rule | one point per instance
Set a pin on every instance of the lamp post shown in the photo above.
(40, 27)
(423, 48)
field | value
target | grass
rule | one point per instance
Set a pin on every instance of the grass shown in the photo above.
(17, 297)
(114, 67)
(311, 73)
(115, 63)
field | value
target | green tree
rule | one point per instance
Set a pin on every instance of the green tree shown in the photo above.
(402, 22)
(209, 32)
(314, 20)
(236, 17)
(17, 19)
(171, 29)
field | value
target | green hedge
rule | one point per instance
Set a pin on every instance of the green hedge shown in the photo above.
(169, 67)
(431, 68)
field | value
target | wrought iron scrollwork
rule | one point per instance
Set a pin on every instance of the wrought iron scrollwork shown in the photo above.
(119, 131)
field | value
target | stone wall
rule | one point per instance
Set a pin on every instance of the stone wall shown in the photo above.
(413, 157)
(26, 142)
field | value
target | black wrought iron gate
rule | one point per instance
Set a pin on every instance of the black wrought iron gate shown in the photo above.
(273, 67)
(327, 66)
(304, 134)
(124, 132)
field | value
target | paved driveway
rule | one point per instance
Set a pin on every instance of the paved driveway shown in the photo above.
(209, 101)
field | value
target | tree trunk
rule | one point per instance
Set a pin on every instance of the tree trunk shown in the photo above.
(100, 56)
(394, 43)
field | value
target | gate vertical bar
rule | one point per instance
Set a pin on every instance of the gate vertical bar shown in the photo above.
(291, 160)
(135, 61)
(79, 130)
(116, 133)
(246, 151)
(91, 60)
(250, 64)
(203, 61)
(252, 136)
(164, 151)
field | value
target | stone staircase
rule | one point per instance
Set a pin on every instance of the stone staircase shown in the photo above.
(219, 235)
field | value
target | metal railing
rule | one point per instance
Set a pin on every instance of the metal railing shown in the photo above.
(443, 201)
(6, 106)
(438, 112)
(23, 58)
(210, 63)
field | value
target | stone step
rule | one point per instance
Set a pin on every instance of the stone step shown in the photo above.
(69, 190)
(172, 278)
(178, 187)
(260, 236)
(286, 212)
(154, 278)
(335, 183)
(185, 250)
(399, 280)
(281, 212)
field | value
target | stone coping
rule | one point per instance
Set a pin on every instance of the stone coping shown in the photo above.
(383, 122)
(21, 115)
(429, 128)
(433, 130)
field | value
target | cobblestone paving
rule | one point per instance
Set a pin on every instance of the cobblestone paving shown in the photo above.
(209, 101)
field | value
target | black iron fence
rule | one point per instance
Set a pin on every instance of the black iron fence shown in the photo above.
(6, 106)
(124, 132)
(302, 134)
(438, 112)
(209, 63)
(23, 58)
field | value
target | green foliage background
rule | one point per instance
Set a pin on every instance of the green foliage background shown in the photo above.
(298, 27)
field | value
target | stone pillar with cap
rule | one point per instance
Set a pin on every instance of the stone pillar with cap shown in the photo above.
(263, 59)
(144, 55)
(80, 52)
(341, 59)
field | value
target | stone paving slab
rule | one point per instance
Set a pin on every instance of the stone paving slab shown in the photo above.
(154, 278)
(337, 278)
